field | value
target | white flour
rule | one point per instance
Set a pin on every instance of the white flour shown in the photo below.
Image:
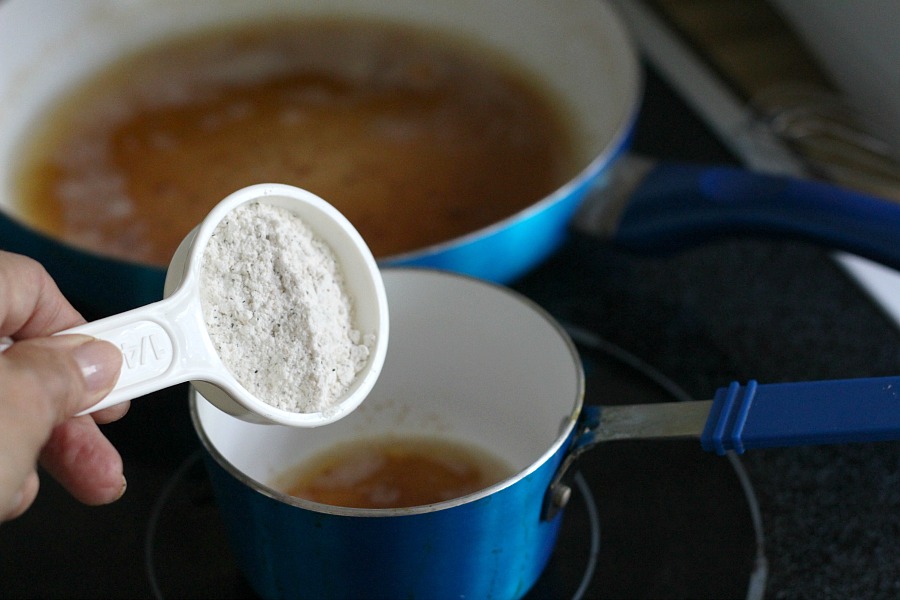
(277, 312)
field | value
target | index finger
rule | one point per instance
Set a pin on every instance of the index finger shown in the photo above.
(31, 304)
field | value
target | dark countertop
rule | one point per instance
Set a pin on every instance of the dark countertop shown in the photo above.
(739, 309)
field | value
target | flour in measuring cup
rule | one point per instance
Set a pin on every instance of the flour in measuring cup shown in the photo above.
(277, 311)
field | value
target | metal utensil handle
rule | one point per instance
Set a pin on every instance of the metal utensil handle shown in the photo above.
(792, 414)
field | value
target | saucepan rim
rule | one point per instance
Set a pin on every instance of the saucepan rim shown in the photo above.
(560, 444)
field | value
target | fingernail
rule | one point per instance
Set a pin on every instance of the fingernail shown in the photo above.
(100, 363)
(14, 504)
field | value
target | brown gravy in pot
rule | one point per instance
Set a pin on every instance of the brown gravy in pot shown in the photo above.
(393, 472)
(417, 139)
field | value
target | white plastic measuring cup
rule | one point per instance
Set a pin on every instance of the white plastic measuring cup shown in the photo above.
(167, 343)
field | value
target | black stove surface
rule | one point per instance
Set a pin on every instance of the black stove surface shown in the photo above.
(671, 521)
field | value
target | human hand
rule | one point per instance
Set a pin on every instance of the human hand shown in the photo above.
(44, 381)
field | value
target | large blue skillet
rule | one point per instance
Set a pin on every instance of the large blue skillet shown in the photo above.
(579, 48)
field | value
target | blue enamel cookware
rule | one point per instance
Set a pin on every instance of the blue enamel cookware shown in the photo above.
(475, 362)
(578, 48)
(46, 48)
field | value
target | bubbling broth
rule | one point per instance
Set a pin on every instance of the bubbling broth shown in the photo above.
(415, 137)
(393, 472)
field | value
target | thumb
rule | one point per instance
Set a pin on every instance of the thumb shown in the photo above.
(43, 382)
(71, 372)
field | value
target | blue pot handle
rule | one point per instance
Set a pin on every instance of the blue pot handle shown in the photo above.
(742, 417)
(680, 205)
(805, 413)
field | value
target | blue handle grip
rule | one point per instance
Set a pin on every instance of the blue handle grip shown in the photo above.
(678, 206)
(792, 414)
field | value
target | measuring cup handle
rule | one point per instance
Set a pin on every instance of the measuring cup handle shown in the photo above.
(146, 337)
(792, 414)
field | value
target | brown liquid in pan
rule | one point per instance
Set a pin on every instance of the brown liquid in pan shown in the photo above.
(394, 472)
(416, 139)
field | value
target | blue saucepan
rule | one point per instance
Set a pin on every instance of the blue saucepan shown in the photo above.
(474, 362)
